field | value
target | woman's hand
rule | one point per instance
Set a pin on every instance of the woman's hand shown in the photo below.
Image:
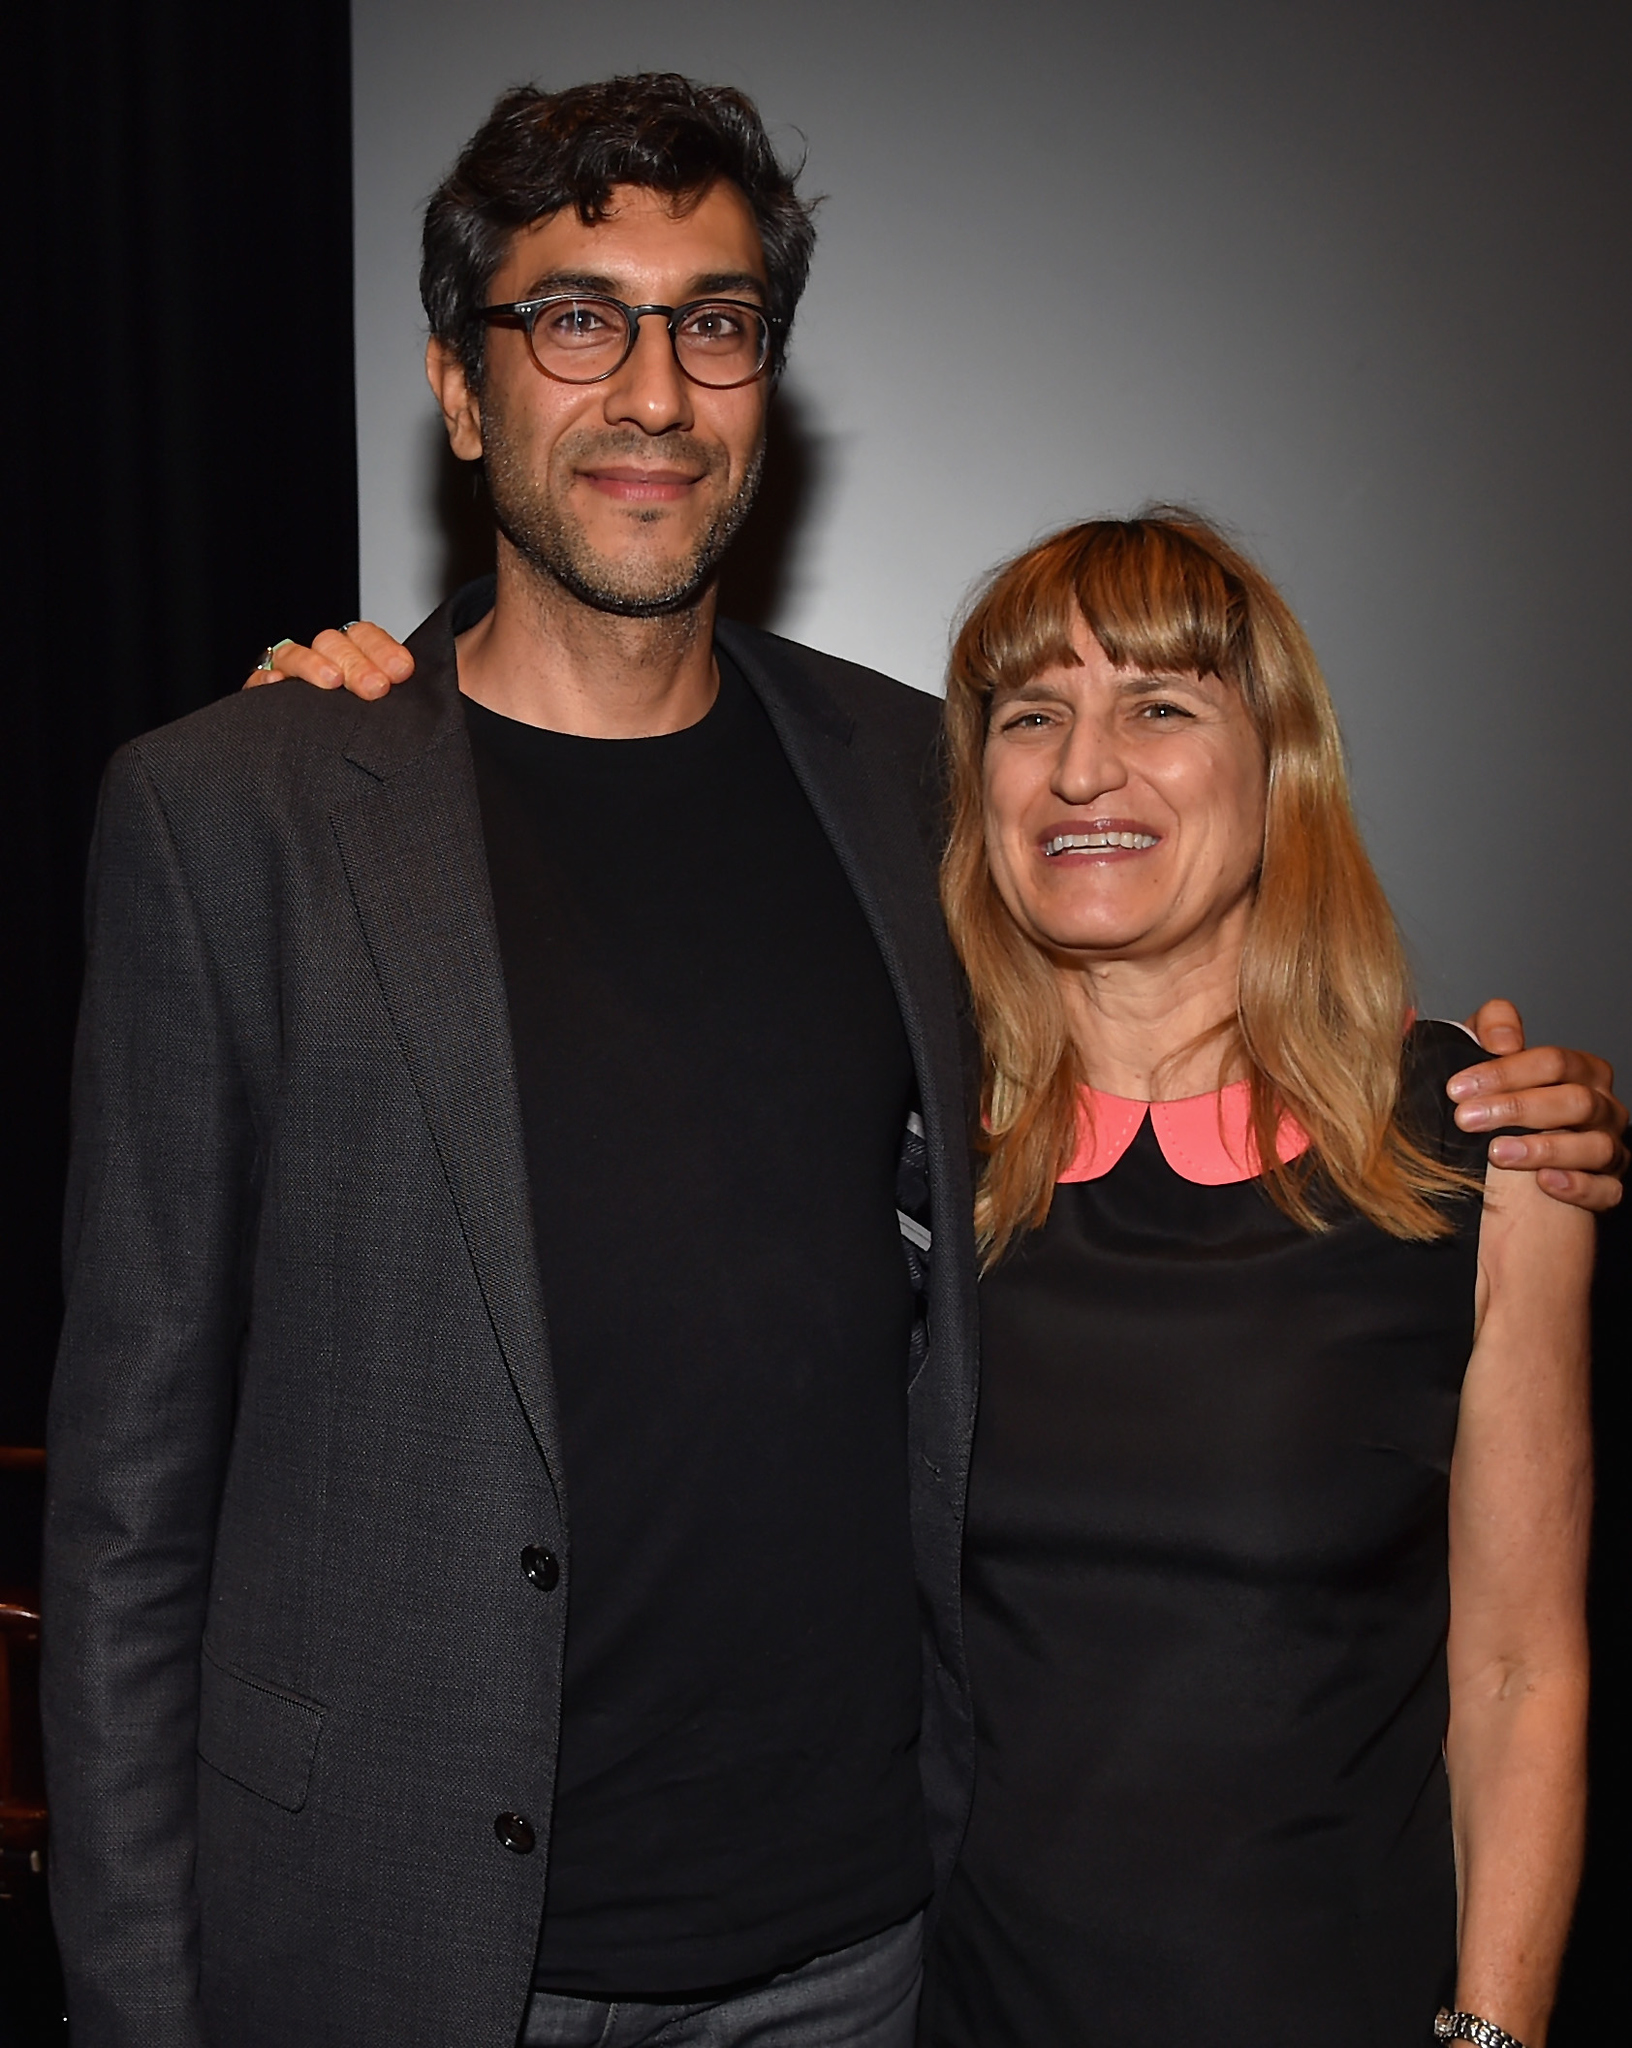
(1578, 1152)
(361, 657)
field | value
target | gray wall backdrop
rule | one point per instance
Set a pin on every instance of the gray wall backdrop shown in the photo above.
(1353, 277)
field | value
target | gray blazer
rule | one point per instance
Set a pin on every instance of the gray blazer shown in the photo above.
(304, 1425)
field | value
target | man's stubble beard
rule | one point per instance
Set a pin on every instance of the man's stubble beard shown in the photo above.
(538, 526)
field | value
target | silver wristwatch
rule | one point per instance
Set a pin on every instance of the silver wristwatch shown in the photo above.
(1468, 2026)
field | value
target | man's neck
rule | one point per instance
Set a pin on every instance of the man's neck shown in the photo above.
(545, 658)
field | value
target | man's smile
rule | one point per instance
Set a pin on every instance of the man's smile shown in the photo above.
(634, 484)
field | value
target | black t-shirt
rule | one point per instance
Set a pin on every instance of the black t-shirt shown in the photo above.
(714, 1083)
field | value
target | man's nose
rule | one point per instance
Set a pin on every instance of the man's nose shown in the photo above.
(650, 391)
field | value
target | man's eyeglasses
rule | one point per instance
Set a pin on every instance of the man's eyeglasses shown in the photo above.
(581, 340)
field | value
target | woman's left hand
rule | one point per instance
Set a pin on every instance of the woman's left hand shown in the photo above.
(362, 656)
(1566, 1098)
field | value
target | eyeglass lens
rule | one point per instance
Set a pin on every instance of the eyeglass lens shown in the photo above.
(578, 340)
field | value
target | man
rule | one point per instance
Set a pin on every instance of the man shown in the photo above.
(521, 1173)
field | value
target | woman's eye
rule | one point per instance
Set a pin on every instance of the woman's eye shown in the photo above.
(1163, 714)
(1026, 720)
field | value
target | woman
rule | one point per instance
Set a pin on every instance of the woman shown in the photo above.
(1277, 1524)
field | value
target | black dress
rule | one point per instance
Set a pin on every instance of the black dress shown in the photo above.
(1206, 1597)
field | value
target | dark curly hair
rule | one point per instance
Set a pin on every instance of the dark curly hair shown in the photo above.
(538, 152)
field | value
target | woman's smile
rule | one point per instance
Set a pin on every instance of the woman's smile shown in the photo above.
(1097, 838)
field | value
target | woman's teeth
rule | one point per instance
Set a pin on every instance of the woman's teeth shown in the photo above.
(1097, 842)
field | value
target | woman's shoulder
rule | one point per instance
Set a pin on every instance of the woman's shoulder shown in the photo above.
(1433, 1051)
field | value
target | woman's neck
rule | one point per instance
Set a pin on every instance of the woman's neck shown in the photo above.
(1149, 1029)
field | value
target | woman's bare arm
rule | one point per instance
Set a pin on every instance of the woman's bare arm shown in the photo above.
(1521, 1488)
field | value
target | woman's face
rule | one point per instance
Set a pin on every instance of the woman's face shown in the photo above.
(1124, 811)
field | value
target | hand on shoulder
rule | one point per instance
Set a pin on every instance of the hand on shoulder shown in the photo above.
(1563, 1098)
(362, 658)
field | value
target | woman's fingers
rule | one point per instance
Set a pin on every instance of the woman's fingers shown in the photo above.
(377, 651)
(354, 668)
(290, 658)
(363, 658)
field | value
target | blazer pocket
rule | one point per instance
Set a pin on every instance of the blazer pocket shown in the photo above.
(257, 1736)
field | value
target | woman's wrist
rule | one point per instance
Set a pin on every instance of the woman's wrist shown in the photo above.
(1466, 2022)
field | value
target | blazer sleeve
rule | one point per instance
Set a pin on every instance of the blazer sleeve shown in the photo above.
(160, 1178)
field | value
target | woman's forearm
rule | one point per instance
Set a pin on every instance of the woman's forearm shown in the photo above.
(1516, 1755)
(1521, 1510)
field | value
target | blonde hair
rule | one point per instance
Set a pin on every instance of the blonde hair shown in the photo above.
(1324, 991)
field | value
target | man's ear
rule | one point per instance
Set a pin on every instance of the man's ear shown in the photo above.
(461, 409)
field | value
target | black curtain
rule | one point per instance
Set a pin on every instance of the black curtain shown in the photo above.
(182, 471)
(182, 485)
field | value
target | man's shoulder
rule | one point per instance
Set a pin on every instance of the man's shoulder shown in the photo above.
(894, 729)
(280, 745)
(875, 702)
(248, 729)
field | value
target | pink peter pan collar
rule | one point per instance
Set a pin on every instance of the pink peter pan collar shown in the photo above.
(1204, 1138)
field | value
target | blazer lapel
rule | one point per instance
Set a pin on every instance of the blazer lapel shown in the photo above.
(877, 840)
(873, 826)
(411, 845)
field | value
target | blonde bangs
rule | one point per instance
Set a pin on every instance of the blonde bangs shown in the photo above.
(1158, 602)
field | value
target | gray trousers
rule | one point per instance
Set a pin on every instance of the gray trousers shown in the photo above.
(864, 1996)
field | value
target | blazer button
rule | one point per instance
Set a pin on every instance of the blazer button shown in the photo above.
(515, 1831)
(540, 1566)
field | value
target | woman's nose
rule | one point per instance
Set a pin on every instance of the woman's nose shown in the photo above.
(1089, 763)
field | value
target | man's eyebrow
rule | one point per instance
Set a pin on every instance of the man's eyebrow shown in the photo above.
(734, 282)
(595, 285)
(589, 282)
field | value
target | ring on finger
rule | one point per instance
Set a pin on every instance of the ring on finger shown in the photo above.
(269, 655)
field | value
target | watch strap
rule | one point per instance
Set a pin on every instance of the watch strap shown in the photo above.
(1468, 2026)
